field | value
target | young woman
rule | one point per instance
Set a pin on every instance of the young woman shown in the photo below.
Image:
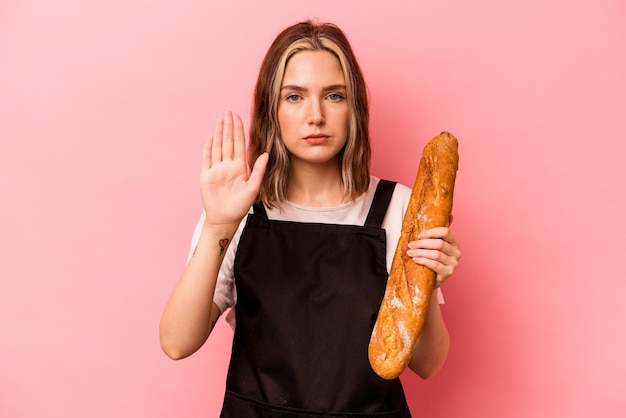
(298, 243)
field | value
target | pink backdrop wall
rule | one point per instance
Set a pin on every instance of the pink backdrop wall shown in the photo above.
(104, 107)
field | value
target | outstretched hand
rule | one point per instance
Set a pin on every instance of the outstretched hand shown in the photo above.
(227, 186)
(437, 249)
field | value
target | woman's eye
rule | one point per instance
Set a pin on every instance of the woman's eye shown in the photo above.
(335, 97)
(292, 98)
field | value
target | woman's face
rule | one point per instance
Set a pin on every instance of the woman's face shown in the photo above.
(312, 109)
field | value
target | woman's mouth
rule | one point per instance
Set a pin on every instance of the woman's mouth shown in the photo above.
(317, 139)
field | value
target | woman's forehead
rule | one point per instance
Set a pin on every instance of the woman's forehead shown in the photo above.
(313, 67)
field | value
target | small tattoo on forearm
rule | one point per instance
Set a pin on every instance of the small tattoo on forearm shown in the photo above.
(223, 243)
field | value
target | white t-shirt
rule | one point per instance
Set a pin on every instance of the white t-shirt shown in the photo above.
(353, 213)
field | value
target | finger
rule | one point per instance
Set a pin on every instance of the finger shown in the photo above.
(434, 255)
(442, 271)
(216, 148)
(438, 245)
(206, 153)
(440, 233)
(435, 266)
(450, 238)
(239, 138)
(258, 170)
(429, 243)
(227, 139)
(437, 232)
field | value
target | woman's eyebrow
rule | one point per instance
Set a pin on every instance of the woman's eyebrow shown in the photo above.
(335, 87)
(293, 87)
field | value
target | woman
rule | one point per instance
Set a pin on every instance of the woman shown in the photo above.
(305, 271)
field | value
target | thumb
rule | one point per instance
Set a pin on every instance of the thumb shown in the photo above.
(258, 170)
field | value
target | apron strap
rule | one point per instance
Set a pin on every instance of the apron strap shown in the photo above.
(382, 197)
(259, 209)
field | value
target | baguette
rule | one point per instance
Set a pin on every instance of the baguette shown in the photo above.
(409, 286)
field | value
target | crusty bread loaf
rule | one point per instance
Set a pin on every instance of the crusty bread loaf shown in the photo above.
(409, 286)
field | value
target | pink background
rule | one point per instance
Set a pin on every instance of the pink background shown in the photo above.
(104, 106)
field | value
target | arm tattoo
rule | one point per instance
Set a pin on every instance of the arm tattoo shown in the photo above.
(223, 243)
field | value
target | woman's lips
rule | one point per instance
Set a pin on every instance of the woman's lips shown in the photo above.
(317, 139)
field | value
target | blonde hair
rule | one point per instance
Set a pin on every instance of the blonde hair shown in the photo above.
(265, 129)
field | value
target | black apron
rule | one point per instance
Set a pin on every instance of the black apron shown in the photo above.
(307, 299)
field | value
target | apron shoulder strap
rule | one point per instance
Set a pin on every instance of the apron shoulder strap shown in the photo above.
(382, 197)
(259, 209)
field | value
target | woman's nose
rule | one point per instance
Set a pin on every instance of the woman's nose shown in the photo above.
(316, 114)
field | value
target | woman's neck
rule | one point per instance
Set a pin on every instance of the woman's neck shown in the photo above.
(316, 185)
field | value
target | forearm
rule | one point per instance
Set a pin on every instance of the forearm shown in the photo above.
(190, 313)
(433, 344)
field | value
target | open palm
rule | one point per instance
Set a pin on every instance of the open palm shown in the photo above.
(228, 188)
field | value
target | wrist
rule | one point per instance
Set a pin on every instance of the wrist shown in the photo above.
(215, 237)
(219, 230)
